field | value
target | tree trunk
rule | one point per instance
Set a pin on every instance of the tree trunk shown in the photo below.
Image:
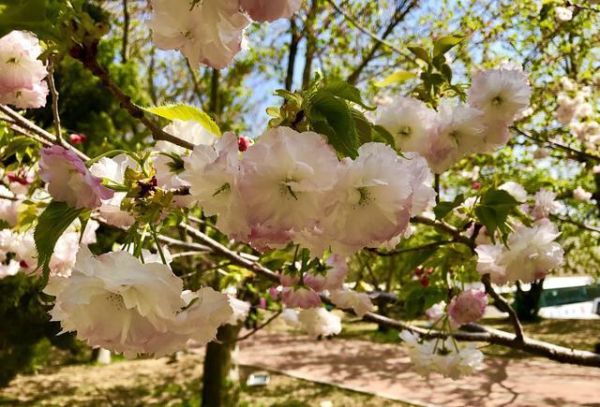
(219, 389)
(527, 303)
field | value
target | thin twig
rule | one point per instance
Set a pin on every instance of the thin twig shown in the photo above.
(258, 328)
(39, 134)
(54, 95)
(411, 249)
(579, 155)
(366, 31)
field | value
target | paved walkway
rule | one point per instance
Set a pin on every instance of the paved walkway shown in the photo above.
(384, 369)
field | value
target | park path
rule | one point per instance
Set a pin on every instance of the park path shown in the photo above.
(384, 369)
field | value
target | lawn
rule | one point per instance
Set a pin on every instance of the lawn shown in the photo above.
(160, 383)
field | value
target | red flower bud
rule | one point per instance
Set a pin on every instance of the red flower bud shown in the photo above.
(244, 143)
(78, 138)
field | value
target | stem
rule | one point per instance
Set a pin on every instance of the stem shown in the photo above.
(54, 94)
(158, 246)
(258, 328)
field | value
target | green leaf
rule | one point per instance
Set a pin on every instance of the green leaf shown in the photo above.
(363, 126)
(31, 15)
(380, 134)
(344, 90)
(493, 211)
(420, 53)
(55, 219)
(331, 116)
(395, 78)
(186, 112)
(443, 208)
(445, 44)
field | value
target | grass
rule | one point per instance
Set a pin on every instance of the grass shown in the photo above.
(160, 383)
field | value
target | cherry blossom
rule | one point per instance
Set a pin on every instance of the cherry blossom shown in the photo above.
(114, 169)
(501, 94)
(466, 307)
(286, 175)
(208, 33)
(532, 252)
(444, 357)
(270, 10)
(410, 121)
(69, 180)
(21, 72)
(360, 303)
(319, 322)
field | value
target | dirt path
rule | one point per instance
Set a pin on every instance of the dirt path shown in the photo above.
(385, 370)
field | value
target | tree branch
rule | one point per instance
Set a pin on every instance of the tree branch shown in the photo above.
(54, 95)
(25, 126)
(258, 328)
(379, 41)
(503, 305)
(87, 56)
(574, 154)
(125, 41)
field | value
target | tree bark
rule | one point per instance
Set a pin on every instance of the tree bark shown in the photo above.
(219, 389)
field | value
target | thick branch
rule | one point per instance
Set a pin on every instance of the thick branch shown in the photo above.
(503, 305)
(125, 41)
(294, 40)
(87, 56)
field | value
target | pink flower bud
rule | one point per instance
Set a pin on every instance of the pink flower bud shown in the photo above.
(262, 303)
(69, 180)
(467, 307)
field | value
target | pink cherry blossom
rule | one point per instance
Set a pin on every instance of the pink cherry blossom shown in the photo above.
(300, 297)
(21, 72)
(467, 307)
(270, 10)
(209, 33)
(69, 180)
(333, 279)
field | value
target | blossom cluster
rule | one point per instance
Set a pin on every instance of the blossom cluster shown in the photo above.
(445, 357)
(531, 252)
(141, 309)
(211, 32)
(22, 74)
(495, 99)
(290, 186)
(306, 294)
(576, 110)
(316, 322)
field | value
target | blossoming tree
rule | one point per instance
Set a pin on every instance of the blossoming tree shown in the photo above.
(174, 228)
